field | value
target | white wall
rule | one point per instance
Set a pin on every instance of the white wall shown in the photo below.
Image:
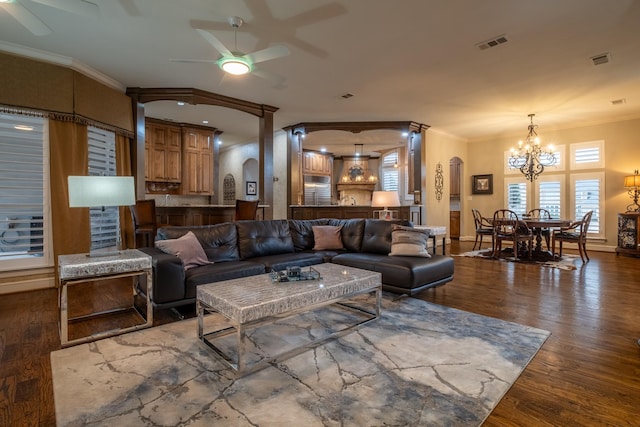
(232, 160)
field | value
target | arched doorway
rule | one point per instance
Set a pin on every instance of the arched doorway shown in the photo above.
(455, 199)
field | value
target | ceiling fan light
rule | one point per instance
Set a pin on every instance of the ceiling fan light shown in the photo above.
(235, 65)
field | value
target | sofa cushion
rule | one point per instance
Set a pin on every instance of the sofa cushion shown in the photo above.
(219, 241)
(187, 248)
(260, 238)
(409, 241)
(302, 233)
(327, 237)
(376, 238)
(352, 230)
(282, 261)
(402, 274)
(218, 272)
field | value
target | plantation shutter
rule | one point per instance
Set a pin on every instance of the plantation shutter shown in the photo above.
(517, 197)
(549, 198)
(21, 186)
(105, 221)
(587, 198)
(390, 173)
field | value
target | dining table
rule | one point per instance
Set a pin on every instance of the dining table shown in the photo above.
(537, 225)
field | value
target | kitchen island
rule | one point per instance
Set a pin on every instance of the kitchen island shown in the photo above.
(411, 213)
(199, 214)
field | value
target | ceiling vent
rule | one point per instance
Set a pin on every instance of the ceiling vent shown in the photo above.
(619, 101)
(492, 42)
(601, 59)
(346, 95)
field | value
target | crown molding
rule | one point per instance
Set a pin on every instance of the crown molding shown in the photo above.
(65, 61)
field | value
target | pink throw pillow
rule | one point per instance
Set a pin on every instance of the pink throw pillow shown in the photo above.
(327, 237)
(187, 248)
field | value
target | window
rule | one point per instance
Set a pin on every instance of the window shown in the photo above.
(390, 172)
(587, 189)
(24, 192)
(549, 189)
(587, 155)
(516, 195)
(105, 222)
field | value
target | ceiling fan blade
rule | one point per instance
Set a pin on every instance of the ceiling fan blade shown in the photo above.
(195, 61)
(27, 19)
(268, 54)
(279, 82)
(213, 41)
(79, 7)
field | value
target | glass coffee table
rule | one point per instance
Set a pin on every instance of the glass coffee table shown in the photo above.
(252, 302)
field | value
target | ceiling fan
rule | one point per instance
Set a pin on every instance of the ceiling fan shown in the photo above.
(236, 62)
(34, 24)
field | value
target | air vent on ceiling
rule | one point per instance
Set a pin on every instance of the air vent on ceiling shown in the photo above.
(619, 101)
(492, 42)
(601, 59)
(346, 95)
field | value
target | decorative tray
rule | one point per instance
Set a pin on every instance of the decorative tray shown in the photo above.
(295, 274)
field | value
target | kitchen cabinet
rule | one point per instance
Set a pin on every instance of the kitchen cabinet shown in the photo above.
(317, 164)
(197, 177)
(454, 224)
(163, 152)
(409, 213)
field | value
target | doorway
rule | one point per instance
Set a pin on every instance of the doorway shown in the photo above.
(455, 175)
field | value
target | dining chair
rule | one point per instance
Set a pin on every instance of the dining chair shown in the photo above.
(545, 232)
(246, 209)
(576, 232)
(507, 226)
(143, 214)
(484, 227)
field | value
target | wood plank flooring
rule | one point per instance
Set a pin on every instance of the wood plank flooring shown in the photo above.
(586, 374)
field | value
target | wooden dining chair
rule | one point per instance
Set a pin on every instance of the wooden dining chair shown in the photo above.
(576, 232)
(484, 227)
(545, 232)
(246, 209)
(507, 226)
(143, 214)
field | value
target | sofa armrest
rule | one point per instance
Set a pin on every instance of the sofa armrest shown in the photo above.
(168, 276)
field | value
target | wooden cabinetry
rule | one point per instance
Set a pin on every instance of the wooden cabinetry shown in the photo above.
(629, 233)
(408, 213)
(163, 153)
(454, 224)
(317, 164)
(197, 177)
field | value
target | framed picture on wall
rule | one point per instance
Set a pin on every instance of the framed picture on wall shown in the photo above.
(482, 184)
(252, 188)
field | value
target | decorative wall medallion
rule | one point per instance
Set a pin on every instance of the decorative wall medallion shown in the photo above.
(439, 181)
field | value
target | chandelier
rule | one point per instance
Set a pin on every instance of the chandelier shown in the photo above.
(529, 157)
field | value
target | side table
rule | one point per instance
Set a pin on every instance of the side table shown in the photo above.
(435, 231)
(79, 270)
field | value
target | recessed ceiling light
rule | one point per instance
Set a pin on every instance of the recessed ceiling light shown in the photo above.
(323, 150)
(205, 122)
(405, 134)
(180, 103)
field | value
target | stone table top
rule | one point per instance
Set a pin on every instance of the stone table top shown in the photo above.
(256, 297)
(81, 265)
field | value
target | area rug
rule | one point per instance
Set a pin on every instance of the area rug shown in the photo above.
(567, 262)
(419, 364)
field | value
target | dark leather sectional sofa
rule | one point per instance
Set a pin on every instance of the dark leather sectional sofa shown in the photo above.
(247, 248)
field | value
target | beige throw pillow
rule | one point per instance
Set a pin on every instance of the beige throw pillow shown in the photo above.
(408, 241)
(327, 237)
(187, 248)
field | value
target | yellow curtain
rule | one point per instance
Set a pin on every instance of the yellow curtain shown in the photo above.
(68, 150)
(123, 168)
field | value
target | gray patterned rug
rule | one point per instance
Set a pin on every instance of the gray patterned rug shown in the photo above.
(420, 364)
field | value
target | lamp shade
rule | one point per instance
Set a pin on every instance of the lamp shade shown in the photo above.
(632, 181)
(97, 191)
(383, 199)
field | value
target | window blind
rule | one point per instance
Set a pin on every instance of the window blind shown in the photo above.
(587, 198)
(21, 186)
(550, 198)
(517, 197)
(105, 221)
(390, 173)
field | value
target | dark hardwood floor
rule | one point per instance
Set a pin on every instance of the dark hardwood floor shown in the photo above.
(586, 374)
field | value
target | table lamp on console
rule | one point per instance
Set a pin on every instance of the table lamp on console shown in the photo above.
(385, 199)
(99, 192)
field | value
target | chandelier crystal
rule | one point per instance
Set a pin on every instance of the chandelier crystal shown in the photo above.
(530, 157)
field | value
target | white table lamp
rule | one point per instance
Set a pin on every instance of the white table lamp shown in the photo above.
(385, 199)
(101, 191)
